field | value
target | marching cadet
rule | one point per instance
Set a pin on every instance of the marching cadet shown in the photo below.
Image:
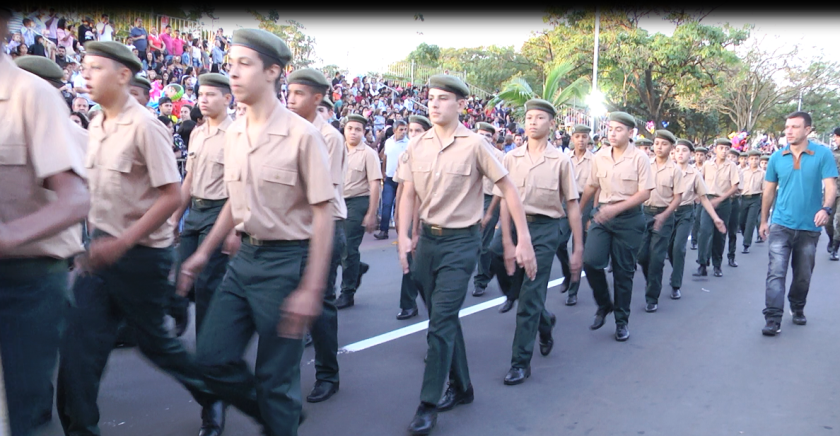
(140, 88)
(742, 160)
(203, 192)
(659, 216)
(544, 178)
(733, 226)
(694, 191)
(44, 201)
(417, 125)
(362, 183)
(623, 175)
(125, 273)
(751, 197)
(490, 217)
(763, 163)
(582, 164)
(307, 89)
(722, 180)
(646, 146)
(282, 206)
(446, 166)
(699, 162)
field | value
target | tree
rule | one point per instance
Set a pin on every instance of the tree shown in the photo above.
(640, 73)
(301, 45)
(517, 91)
(425, 54)
(488, 68)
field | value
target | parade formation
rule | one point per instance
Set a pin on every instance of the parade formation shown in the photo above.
(274, 201)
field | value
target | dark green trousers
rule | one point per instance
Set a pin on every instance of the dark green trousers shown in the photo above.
(357, 208)
(257, 282)
(683, 222)
(652, 252)
(750, 213)
(324, 330)
(711, 242)
(136, 288)
(732, 226)
(483, 276)
(563, 248)
(33, 304)
(408, 287)
(531, 314)
(695, 228)
(618, 239)
(442, 269)
(197, 226)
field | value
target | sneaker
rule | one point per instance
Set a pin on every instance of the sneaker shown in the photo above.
(798, 317)
(772, 328)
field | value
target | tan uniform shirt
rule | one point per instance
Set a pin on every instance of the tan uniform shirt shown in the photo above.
(543, 183)
(720, 178)
(363, 167)
(619, 180)
(206, 161)
(448, 177)
(273, 183)
(37, 141)
(668, 183)
(753, 181)
(338, 163)
(488, 184)
(583, 169)
(128, 162)
(694, 185)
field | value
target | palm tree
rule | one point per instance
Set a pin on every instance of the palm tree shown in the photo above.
(517, 91)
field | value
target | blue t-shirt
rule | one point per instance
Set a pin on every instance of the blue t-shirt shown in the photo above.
(800, 194)
(139, 44)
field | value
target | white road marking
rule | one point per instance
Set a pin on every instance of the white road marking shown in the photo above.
(420, 326)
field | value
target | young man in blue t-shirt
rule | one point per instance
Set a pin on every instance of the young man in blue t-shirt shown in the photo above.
(800, 170)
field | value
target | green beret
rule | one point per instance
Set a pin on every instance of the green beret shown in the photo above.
(765, 157)
(115, 51)
(701, 150)
(752, 153)
(264, 43)
(487, 127)
(327, 103)
(215, 80)
(735, 152)
(357, 118)
(581, 128)
(743, 154)
(644, 142)
(419, 119)
(449, 84)
(686, 143)
(666, 135)
(623, 118)
(141, 82)
(309, 77)
(540, 105)
(723, 141)
(43, 68)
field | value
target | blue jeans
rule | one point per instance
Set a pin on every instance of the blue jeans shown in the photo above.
(797, 248)
(389, 194)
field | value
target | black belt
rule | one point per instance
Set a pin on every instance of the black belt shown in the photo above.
(442, 231)
(250, 240)
(751, 196)
(686, 206)
(654, 209)
(536, 218)
(34, 267)
(200, 203)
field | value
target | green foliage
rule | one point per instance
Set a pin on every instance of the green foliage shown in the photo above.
(517, 91)
(301, 45)
(426, 55)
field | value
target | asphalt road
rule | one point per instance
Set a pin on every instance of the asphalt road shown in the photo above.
(698, 366)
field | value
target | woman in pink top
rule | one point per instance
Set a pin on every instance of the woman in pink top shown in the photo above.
(155, 42)
(65, 36)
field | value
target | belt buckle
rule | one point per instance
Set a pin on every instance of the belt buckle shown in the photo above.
(436, 230)
(529, 218)
(199, 202)
(254, 241)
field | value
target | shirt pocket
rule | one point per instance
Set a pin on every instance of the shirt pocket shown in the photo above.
(455, 177)
(277, 185)
(12, 154)
(217, 165)
(116, 171)
(628, 182)
(547, 191)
